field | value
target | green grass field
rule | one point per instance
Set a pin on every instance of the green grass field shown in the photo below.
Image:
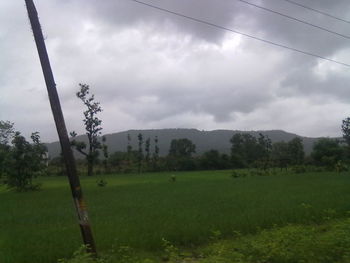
(139, 210)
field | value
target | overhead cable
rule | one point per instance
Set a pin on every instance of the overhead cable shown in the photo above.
(294, 18)
(240, 33)
(317, 11)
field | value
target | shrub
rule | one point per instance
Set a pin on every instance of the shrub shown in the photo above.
(24, 162)
(173, 178)
(290, 244)
(122, 255)
(238, 174)
(298, 169)
(101, 183)
(341, 167)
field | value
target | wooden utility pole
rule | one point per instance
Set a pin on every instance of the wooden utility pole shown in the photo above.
(61, 129)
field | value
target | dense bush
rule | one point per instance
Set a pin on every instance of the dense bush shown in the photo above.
(293, 243)
(24, 162)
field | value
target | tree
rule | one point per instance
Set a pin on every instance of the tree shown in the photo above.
(346, 135)
(92, 126)
(6, 134)
(280, 154)
(237, 151)
(129, 147)
(247, 150)
(155, 156)
(129, 151)
(213, 160)
(25, 162)
(140, 152)
(264, 147)
(58, 164)
(346, 130)
(117, 159)
(182, 148)
(180, 155)
(296, 151)
(105, 154)
(148, 150)
(327, 152)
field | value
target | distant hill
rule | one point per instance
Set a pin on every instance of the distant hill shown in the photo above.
(204, 140)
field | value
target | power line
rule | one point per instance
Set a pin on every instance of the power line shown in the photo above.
(317, 11)
(295, 19)
(240, 33)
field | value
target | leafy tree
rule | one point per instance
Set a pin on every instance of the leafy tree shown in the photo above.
(148, 150)
(296, 151)
(327, 152)
(117, 159)
(92, 126)
(129, 151)
(346, 135)
(238, 151)
(182, 148)
(288, 153)
(6, 134)
(140, 152)
(105, 153)
(264, 147)
(58, 164)
(210, 160)
(180, 155)
(129, 147)
(213, 160)
(346, 130)
(246, 149)
(26, 161)
(280, 154)
(155, 153)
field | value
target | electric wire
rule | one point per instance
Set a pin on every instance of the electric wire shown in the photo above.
(294, 18)
(240, 33)
(317, 11)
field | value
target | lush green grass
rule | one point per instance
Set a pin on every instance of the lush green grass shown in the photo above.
(328, 242)
(140, 210)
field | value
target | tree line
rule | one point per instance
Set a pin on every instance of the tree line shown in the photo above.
(247, 151)
(21, 161)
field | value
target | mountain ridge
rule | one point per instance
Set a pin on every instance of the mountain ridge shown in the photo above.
(204, 140)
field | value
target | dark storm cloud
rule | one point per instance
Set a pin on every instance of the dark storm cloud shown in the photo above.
(308, 82)
(128, 13)
(299, 35)
(151, 69)
(234, 14)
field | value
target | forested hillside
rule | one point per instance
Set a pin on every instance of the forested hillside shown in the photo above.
(204, 140)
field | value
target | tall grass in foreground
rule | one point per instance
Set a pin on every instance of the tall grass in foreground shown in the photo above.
(140, 210)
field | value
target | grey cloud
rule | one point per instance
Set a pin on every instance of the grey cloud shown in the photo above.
(151, 70)
(129, 13)
(307, 82)
(233, 14)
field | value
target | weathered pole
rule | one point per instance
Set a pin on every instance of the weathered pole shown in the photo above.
(61, 129)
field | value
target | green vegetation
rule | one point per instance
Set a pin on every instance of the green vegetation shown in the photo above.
(20, 160)
(324, 243)
(247, 151)
(260, 214)
(141, 211)
(328, 242)
(93, 129)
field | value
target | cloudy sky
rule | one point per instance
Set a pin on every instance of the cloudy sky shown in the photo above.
(151, 69)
